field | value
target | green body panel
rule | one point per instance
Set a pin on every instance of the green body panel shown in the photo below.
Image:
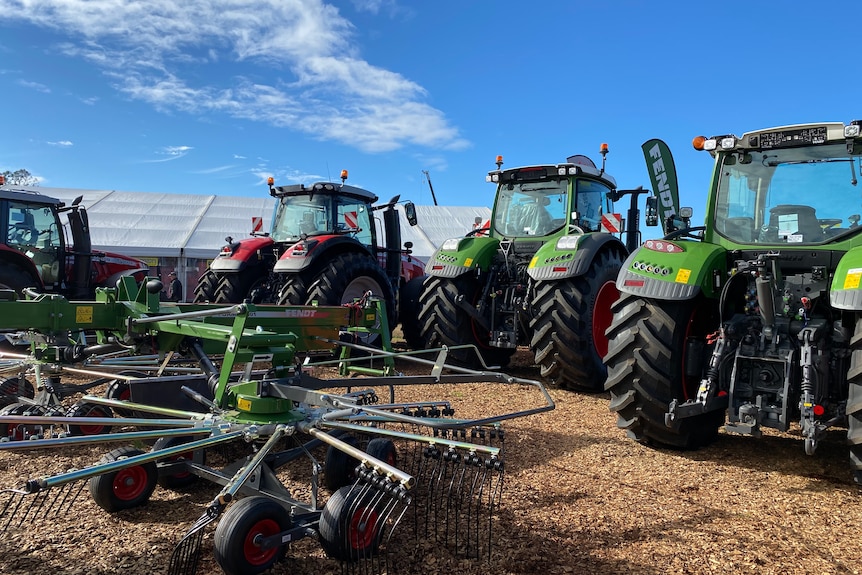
(655, 273)
(472, 253)
(846, 289)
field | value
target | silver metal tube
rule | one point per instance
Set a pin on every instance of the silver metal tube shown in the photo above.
(144, 407)
(240, 477)
(112, 421)
(384, 468)
(231, 310)
(102, 468)
(101, 438)
(492, 451)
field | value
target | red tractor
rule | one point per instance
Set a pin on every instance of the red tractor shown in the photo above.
(323, 247)
(36, 252)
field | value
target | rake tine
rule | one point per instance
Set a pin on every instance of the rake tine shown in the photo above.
(187, 553)
(58, 501)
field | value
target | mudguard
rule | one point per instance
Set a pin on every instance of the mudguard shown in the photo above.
(471, 252)
(305, 254)
(674, 270)
(553, 263)
(246, 252)
(846, 290)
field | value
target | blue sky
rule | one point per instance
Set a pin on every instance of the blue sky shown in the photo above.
(213, 97)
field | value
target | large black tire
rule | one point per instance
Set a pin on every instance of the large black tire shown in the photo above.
(206, 287)
(570, 317)
(234, 541)
(294, 291)
(443, 321)
(14, 277)
(408, 313)
(646, 359)
(347, 277)
(854, 403)
(124, 488)
(237, 287)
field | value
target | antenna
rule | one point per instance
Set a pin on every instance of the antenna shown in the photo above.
(428, 177)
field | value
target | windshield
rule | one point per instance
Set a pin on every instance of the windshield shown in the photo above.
(313, 214)
(531, 208)
(794, 195)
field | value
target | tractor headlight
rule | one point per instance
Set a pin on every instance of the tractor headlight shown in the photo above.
(852, 131)
(568, 242)
(450, 245)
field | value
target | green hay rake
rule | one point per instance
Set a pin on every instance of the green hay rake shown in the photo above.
(253, 412)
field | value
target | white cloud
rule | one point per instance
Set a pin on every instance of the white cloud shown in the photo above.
(316, 80)
(34, 86)
(61, 143)
(171, 153)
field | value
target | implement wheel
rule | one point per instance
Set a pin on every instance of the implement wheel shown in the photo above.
(570, 317)
(646, 360)
(350, 526)
(236, 542)
(339, 469)
(125, 488)
(383, 449)
(84, 409)
(19, 431)
(14, 387)
(182, 478)
(443, 321)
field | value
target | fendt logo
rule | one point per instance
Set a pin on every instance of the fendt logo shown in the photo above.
(660, 173)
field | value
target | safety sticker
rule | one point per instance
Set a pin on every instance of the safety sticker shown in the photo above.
(682, 276)
(852, 279)
(84, 314)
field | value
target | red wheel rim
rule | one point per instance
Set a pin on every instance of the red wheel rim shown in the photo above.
(363, 528)
(253, 552)
(602, 315)
(130, 483)
(94, 429)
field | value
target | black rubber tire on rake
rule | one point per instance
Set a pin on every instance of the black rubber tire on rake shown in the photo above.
(180, 479)
(339, 469)
(125, 488)
(85, 409)
(120, 390)
(383, 449)
(234, 540)
(350, 528)
(14, 387)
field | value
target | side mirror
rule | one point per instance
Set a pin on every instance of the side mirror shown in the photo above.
(410, 212)
(652, 211)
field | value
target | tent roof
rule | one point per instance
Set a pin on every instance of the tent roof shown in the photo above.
(143, 224)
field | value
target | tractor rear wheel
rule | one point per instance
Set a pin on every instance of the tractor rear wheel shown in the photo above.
(294, 291)
(646, 368)
(14, 277)
(408, 314)
(854, 403)
(237, 287)
(206, 288)
(443, 321)
(348, 277)
(570, 317)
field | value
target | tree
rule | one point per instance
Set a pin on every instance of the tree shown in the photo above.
(20, 178)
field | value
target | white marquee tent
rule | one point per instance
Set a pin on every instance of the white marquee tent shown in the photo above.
(176, 228)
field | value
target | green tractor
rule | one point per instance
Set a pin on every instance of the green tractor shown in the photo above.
(541, 272)
(754, 320)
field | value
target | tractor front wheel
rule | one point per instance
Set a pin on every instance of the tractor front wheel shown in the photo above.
(443, 321)
(237, 538)
(647, 358)
(570, 317)
(854, 403)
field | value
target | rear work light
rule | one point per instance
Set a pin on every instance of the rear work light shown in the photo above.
(663, 246)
